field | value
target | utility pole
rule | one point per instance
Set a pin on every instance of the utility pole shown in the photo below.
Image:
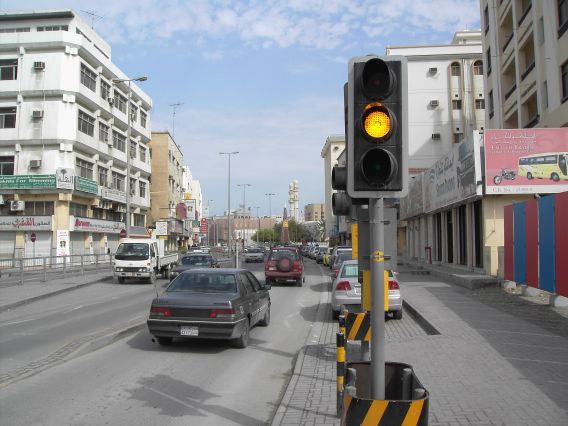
(270, 194)
(229, 230)
(177, 104)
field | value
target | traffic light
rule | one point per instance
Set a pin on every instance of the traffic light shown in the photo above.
(377, 133)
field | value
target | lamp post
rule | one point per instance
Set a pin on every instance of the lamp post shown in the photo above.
(128, 135)
(257, 232)
(270, 194)
(208, 225)
(228, 154)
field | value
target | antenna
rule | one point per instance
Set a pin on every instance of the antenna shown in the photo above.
(94, 17)
(174, 116)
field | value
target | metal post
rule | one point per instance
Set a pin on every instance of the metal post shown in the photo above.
(21, 270)
(376, 219)
(364, 263)
(229, 236)
(127, 221)
(44, 269)
(82, 266)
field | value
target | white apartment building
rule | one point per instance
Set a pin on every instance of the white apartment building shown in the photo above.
(64, 139)
(192, 191)
(333, 147)
(445, 96)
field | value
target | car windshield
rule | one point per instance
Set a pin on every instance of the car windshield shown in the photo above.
(342, 258)
(195, 260)
(279, 254)
(254, 250)
(132, 251)
(350, 270)
(204, 283)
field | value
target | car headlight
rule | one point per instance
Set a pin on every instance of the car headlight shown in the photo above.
(174, 274)
(142, 269)
(119, 269)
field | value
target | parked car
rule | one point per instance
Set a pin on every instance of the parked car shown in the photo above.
(327, 255)
(346, 290)
(336, 250)
(192, 261)
(284, 264)
(341, 257)
(319, 254)
(210, 304)
(254, 255)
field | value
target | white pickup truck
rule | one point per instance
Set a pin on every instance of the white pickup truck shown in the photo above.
(142, 258)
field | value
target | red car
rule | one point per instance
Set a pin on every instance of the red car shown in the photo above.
(284, 264)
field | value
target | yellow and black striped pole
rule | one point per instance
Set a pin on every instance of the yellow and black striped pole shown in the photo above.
(340, 372)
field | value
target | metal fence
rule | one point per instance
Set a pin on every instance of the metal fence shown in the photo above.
(18, 270)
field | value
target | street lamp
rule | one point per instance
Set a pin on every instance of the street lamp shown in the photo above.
(128, 135)
(258, 232)
(270, 194)
(228, 154)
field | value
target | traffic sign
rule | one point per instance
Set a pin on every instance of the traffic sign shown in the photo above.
(122, 233)
(33, 237)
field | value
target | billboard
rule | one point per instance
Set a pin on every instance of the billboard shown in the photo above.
(526, 161)
(190, 207)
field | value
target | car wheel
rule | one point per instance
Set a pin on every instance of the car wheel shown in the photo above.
(152, 278)
(497, 180)
(266, 320)
(299, 282)
(166, 273)
(164, 341)
(121, 280)
(242, 341)
(397, 314)
(529, 176)
(555, 177)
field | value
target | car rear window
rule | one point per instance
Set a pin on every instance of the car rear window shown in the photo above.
(204, 283)
(279, 254)
(350, 271)
(195, 260)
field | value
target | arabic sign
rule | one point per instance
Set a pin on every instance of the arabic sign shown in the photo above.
(521, 161)
(86, 185)
(181, 211)
(63, 248)
(65, 178)
(413, 204)
(113, 195)
(27, 182)
(204, 226)
(162, 228)
(26, 223)
(190, 206)
(88, 224)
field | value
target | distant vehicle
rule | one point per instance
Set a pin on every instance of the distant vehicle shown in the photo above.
(553, 165)
(210, 304)
(254, 255)
(142, 258)
(319, 254)
(346, 290)
(336, 250)
(284, 264)
(192, 261)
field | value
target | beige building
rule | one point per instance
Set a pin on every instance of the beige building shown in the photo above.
(314, 212)
(332, 149)
(166, 187)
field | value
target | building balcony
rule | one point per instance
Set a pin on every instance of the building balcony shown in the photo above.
(508, 42)
(510, 91)
(528, 70)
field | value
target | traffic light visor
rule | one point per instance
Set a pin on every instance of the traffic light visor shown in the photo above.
(377, 122)
(378, 166)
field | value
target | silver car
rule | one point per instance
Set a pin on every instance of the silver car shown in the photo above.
(346, 290)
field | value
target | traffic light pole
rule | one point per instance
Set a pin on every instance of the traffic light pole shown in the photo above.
(376, 225)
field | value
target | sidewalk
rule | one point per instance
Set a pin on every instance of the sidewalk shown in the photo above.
(499, 359)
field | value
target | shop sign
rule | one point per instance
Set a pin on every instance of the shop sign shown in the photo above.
(63, 247)
(65, 178)
(412, 204)
(86, 185)
(190, 207)
(27, 182)
(204, 226)
(113, 195)
(161, 228)
(26, 223)
(87, 224)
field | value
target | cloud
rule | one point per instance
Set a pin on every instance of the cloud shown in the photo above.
(215, 56)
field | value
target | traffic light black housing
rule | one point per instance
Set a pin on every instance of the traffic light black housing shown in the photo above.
(377, 134)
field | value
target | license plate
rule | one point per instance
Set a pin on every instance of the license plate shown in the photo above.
(131, 274)
(189, 331)
(357, 290)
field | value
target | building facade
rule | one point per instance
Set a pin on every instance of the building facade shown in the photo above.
(314, 212)
(64, 139)
(332, 149)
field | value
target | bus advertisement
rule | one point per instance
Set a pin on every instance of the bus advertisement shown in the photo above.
(526, 161)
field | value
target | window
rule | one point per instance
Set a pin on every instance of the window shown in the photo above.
(7, 165)
(120, 102)
(9, 69)
(562, 17)
(84, 168)
(478, 68)
(116, 216)
(480, 104)
(39, 208)
(105, 90)
(486, 18)
(457, 104)
(79, 210)
(458, 137)
(15, 30)
(142, 189)
(54, 28)
(103, 132)
(118, 141)
(117, 181)
(142, 154)
(103, 176)
(488, 60)
(133, 146)
(138, 219)
(564, 78)
(97, 213)
(143, 118)
(491, 111)
(86, 123)
(88, 78)
(455, 69)
(8, 118)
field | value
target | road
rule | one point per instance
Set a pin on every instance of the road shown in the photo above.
(136, 381)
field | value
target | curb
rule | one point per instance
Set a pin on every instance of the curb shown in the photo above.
(53, 293)
(428, 326)
(101, 342)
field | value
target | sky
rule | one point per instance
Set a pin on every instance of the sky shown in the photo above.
(261, 77)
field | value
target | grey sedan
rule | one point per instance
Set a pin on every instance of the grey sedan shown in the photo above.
(211, 304)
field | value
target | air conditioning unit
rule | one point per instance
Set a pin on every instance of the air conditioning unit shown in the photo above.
(434, 103)
(35, 164)
(37, 114)
(432, 70)
(436, 136)
(17, 206)
(39, 66)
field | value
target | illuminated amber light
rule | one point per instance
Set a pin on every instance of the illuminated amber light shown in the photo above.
(377, 124)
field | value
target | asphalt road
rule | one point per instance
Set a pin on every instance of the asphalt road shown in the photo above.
(136, 381)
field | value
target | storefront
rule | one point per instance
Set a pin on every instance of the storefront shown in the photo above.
(88, 235)
(21, 228)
